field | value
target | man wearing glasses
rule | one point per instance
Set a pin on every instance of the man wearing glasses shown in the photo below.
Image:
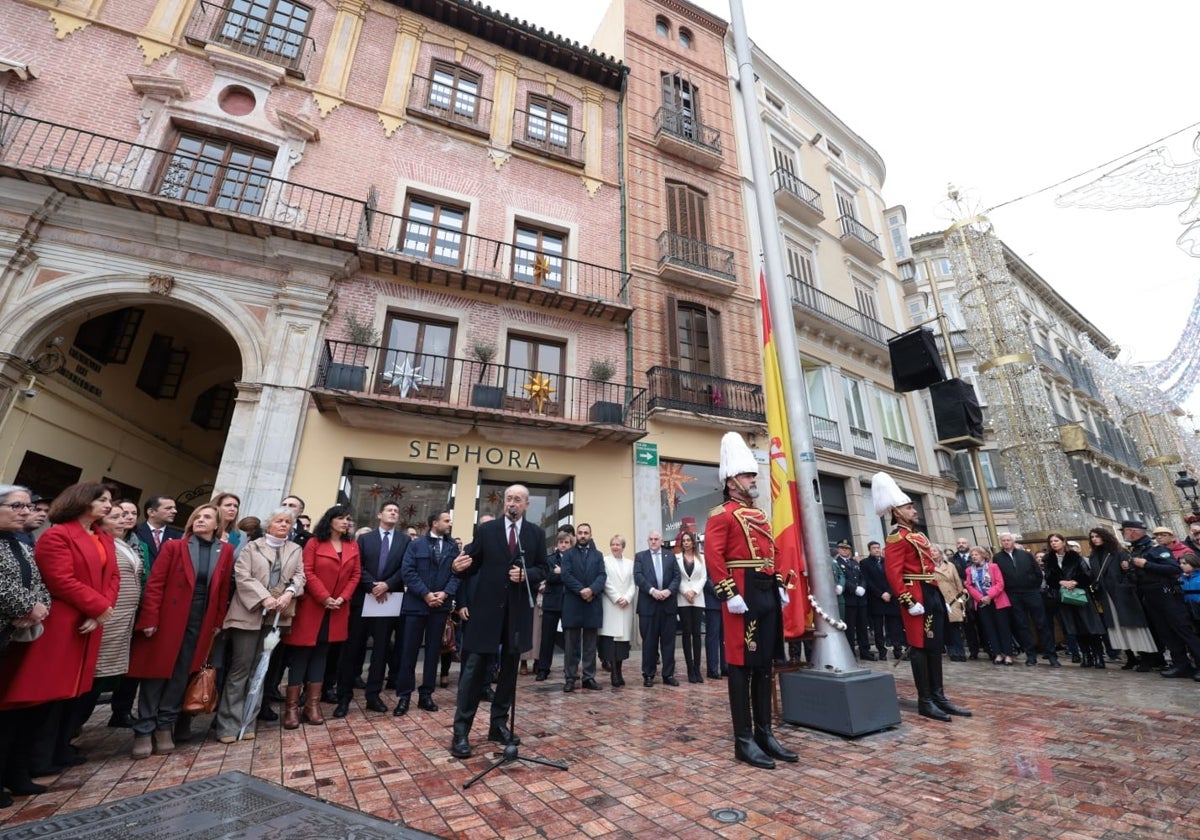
(1192, 541)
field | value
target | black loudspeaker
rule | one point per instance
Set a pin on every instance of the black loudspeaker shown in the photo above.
(957, 414)
(916, 363)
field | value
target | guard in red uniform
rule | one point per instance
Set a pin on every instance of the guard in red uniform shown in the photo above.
(908, 561)
(739, 551)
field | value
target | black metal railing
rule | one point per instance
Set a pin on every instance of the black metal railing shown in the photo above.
(428, 380)
(490, 258)
(227, 25)
(786, 181)
(669, 388)
(60, 150)
(825, 432)
(692, 253)
(852, 228)
(451, 101)
(683, 125)
(543, 134)
(900, 454)
(837, 312)
(863, 442)
(970, 501)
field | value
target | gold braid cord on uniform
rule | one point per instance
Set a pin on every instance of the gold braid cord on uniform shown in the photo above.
(906, 599)
(751, 629)
(725, 589)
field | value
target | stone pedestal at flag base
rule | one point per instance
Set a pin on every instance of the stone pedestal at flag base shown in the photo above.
(844, 704)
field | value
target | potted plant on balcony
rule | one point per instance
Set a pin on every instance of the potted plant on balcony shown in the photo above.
(485, 396)
(604, 411)
(349, 371)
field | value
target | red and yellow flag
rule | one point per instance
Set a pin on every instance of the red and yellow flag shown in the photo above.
(785, 497)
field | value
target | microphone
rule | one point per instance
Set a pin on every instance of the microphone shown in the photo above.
(524, 571)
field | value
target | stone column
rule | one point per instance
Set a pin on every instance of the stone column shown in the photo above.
(339, 56)
(405, 52)
(504, 101)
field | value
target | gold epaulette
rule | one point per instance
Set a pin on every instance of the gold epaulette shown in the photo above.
(716, 510)
(891, 538)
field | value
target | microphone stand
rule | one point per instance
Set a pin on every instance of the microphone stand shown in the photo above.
(512, 752)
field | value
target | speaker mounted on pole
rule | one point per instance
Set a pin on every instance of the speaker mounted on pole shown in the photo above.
(957, 414)
(916, 363)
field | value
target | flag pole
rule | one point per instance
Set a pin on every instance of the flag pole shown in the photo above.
(831, 650)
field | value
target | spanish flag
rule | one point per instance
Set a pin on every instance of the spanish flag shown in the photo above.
(785, 498)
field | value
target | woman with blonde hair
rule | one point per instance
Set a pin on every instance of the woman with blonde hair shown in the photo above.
(620, 595)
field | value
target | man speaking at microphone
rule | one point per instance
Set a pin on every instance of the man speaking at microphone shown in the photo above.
(509, 555)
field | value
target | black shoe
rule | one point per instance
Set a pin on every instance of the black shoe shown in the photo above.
(273, 695)
(343, 708)
(360, 684)
(713, 675)
(374, 704)
(766, 741)
(542, 676)
(121, 720)
(867, 657)
(647, 681)
(974, 656)
(329, 695)
(1129, 665)
(427, 704)
(882, 655)
(1196, 676)
(1054, 663)
(460, 747)
(1031, 660)
(1076, 658)
(605, 666)
(500, 734)
(670, 681)
(489, 694)
(568, 686)
(1144, 666)
(1178, 671)
(6, 801)
(402, 709)
(745, 749)
(267, 714)
(24, 786)
(949, 708)
(591, 685)
(926, 708)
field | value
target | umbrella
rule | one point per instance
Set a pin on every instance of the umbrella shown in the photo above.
(255, 695)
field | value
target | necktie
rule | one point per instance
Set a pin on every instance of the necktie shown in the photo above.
(384, 551)
(438, 556)
(658, 570)
(158, 537)
(512, 538)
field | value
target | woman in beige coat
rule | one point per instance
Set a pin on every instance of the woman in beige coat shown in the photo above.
(620, 608)
(268, 577)
(953, 591)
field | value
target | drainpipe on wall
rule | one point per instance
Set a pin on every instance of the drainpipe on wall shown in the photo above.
(624, 230)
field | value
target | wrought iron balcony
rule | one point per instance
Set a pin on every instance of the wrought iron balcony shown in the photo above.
(225, 23)
(680, 133)
(550, 138)
(860, 240)
(863, 442)
(825, 432)
(397, 380)
(451, 103)
(843, 315)
(700, 393)
(691, 262)
(796, 196)
(900, 454)
(970, 501)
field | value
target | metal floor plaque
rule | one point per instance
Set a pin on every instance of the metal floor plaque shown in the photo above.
(224, 807)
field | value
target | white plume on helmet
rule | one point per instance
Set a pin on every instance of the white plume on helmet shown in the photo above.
(886, 494)
(736, 457)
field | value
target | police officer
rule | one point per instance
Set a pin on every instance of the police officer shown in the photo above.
(855, 593)
(1155, 572)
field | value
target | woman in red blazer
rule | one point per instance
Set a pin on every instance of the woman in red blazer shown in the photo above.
(986, 585)
(331, 572)
(78, 564)
(184, 604)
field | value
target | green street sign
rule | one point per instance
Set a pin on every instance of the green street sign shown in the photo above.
(645, 454)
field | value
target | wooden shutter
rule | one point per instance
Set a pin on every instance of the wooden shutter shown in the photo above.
(671, 330)
(670, 95)
(716, 346)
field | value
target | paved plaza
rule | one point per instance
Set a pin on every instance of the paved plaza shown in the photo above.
(1065, 753)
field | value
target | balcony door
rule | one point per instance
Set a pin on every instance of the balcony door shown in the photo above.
(534, 380)
(687, 221)
(680, 102)
(416, 358)
(694, 346)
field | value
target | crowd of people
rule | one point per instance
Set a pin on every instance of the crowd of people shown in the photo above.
(136, 610)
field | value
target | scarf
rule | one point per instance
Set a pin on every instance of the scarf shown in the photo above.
(983, 578)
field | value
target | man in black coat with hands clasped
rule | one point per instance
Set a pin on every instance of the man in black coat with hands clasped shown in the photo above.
(509, 558)
(657, 575)
(583, 580)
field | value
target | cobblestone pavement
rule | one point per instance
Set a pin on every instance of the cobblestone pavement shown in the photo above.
(1065, 753)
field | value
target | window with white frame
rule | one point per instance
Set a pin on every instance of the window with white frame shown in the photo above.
(818, 392)
(856, 404)
(892, 419)
(800, 264)
(899, 233)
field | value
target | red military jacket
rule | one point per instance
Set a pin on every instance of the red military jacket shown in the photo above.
(908, 559)
(737, 538)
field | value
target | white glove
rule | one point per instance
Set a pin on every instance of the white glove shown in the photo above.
(860, 591)
(839, 589)
(736, 605)
(948, 610)
(783, 597)
(916, 609)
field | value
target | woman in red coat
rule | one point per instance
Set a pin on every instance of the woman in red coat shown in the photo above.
(78, 564)
(331, 572)
(184, 604)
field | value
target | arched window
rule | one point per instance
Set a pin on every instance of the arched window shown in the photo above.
(685, 39)
(662, 27)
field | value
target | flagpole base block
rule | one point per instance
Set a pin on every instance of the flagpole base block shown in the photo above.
(844, 704)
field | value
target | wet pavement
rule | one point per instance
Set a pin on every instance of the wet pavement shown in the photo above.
(1062, 753)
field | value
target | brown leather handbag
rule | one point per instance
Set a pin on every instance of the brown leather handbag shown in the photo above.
(201, 695)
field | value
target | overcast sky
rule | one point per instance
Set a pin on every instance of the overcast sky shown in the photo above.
(1003, 99)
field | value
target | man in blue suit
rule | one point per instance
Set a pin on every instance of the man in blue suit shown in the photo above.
(381, 552)
(429, 588)
(657, 577)
(583, 580)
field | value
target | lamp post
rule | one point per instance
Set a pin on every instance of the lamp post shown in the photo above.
(1187, 486)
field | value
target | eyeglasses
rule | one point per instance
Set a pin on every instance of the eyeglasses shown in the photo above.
(17, 506)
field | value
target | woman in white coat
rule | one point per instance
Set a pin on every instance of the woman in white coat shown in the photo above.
(690, 601)
(620, 613)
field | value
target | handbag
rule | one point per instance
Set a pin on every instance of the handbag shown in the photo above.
(449, 640)
(1076, 597)
(201, 695)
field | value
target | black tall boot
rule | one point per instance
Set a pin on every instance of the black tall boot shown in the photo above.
(1098, 651)
(937, 692)
(920, 669)
(1085, 650)
(689, 660)
(617, 679)
(744, 746)
(760, 701)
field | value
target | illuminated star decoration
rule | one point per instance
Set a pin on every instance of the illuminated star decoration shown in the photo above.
(539, 389)
(494, 498)
(405, 377)
(541, 269)
(410, 511)
(375, 491)
(671, 480)
(396, 492)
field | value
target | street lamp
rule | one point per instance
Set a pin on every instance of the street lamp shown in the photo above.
(1187, 486)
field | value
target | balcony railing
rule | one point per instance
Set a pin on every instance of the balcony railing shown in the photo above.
(60, 152)
(451, 103)
(542, 134)
(696, 255)
(835, 311)
(430, 383)
(702, 393)
(900, 454)
(863, 442)
(225, 25)
(853, 229)
(825, 432)
(457, 251)
(686, 127)
(786, 181)
(970, 501)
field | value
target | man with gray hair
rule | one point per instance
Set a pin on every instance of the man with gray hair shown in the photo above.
(1023, 584)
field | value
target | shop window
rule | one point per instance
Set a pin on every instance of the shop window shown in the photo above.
(108, 338)
(418, 496)
(417, 357)
(538, 256)
(265, 28)
(534, 380)
(163, 368)
(217, 173)
(434, 231)
(213, 409)
(454, 90)
(687, 492)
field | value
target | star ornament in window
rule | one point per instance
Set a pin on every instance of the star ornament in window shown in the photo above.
(671, 481)
(405, 377)
(539, 389)
(541, 269)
